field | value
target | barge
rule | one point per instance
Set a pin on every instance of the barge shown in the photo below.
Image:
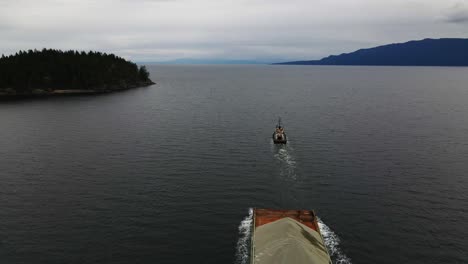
(287, 237)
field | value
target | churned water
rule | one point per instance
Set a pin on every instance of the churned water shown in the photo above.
(167, 174)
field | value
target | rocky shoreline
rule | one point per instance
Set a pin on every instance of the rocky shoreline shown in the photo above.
(11, 93)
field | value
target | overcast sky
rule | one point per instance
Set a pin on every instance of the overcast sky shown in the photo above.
(265, 30)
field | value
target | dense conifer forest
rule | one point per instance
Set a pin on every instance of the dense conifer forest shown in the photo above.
(47, 70)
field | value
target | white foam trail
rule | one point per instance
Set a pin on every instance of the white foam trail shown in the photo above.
(284, 155)
(243, 244)
(288, 162)
(332, 241)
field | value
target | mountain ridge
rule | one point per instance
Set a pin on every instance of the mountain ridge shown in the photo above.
(426, 52)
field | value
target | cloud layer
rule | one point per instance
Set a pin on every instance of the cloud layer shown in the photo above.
(159, 30)
(458, 13)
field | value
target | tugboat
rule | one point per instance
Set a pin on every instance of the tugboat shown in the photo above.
(287, 237)
(279, 137)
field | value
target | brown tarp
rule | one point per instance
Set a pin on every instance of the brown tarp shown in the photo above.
(287, 241)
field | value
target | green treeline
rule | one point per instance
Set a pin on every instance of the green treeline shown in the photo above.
(51, 69)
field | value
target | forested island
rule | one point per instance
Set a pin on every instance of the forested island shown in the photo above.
(426, 52)
(52, 72)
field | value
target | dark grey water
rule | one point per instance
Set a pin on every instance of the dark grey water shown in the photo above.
(166, 174)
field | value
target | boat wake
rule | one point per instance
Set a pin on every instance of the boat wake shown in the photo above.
(287, 162)
(243, 244)
(332, 241)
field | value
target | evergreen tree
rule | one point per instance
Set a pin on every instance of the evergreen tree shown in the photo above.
(143, 73)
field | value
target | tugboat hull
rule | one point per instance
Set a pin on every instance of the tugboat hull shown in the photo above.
(279, 138)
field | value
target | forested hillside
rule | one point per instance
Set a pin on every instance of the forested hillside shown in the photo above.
(49, 69)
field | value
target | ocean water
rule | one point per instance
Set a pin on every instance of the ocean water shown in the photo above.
(168, 173)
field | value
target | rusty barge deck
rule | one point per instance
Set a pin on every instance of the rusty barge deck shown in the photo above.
(306, 217)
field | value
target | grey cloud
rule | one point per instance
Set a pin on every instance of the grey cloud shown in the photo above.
(5, 26)
(458, 13)
(458, 18)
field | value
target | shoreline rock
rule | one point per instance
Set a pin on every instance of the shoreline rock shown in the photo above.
(11, 93)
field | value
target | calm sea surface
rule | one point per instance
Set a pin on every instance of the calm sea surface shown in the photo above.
(166, 174)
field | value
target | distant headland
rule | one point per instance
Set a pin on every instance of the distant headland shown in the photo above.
(56, 72)
(427, 52)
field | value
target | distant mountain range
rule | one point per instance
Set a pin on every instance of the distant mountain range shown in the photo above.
(209, 61)
(427, 52)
